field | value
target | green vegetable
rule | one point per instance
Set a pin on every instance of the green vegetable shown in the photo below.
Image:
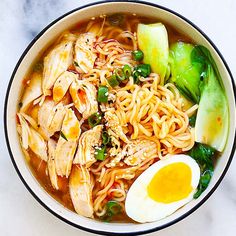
(94, 119)
(153, 41)
(136, 76)
(105, 138)
(143, 69)
(203, 183)
(203, 155)
(184, 74)
(102, 94)
(168, 73)
(195, 74)
(116, 19)
(202, 55)
(137, 55)
(192, 120)
(63, 136)
(212, 123)
(113, 81)
(100, 153)
(127, 71)
(112, 208)
(120, 74)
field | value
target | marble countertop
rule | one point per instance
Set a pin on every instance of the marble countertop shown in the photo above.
(20, 213)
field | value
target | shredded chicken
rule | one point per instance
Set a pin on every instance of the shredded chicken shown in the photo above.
(51, 163)
(84, 96)
(67, 143)
(80, 186)
(84, 55)
(56, 62)
(114, 126)
(90, 139)
(139, 150)
(32, 91)
(50, 117)
(32, 139)
(62, 84)
(134, 153)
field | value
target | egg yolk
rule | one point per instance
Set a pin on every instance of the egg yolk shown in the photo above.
(171, 183)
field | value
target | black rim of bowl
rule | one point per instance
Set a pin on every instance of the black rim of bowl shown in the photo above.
(24, 181)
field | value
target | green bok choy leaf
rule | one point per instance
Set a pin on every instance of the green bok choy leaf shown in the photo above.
(153, 41)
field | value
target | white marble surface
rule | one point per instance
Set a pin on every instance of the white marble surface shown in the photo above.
(20, 21)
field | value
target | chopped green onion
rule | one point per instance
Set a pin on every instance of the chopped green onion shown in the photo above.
(94, 119)
(113, 207)
(192, 120)
(136, 76)
(119, 74)
(113, 81)
(127, 71)
(143, 69)
(102, 94)
(105, 138)
(100, 153)
(63, 136)
(137, 55)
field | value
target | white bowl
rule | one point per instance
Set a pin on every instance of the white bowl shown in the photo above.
(14, 90)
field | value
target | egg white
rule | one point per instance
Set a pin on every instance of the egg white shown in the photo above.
(141, 208)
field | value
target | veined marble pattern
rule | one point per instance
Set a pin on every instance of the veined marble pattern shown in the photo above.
(20, 21)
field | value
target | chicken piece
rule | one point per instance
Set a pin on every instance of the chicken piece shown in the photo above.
(32, 139)
(85, 154)
(80, 187)
(51, 163)
(114, 127)
(84, 56)
(115, 142)
(84, 96)
(62, 84)
(50, 117)
(32, 91)
(67, 143)
(139, 150)
(134, 153)
(56, 62)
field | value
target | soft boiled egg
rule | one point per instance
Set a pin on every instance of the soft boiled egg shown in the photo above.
(163, 188)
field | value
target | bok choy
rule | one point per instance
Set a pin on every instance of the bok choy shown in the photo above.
(212, 121)
(195, 74)
(203, 155)
(184, 74)
(153, 41)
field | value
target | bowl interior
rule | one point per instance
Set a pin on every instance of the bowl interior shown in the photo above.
(14, 92)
